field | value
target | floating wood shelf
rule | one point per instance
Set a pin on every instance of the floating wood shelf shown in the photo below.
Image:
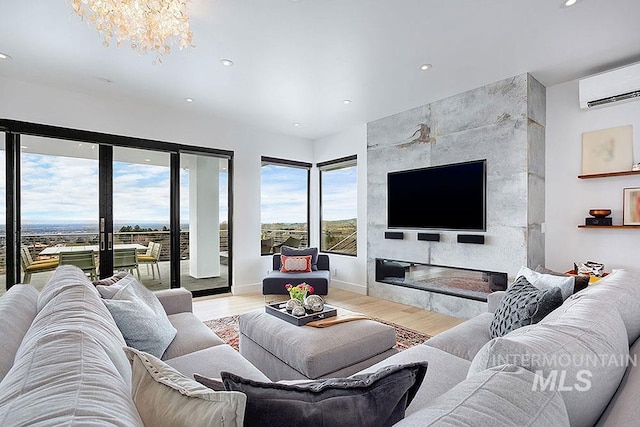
(610, 226)
(605, 175)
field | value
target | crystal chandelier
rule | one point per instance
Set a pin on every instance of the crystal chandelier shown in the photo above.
(147, 24)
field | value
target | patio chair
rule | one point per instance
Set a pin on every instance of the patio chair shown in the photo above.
(29, 266)
(84, 260)
(291, 242)
(126, 259)
(151, 258)
(266, 246)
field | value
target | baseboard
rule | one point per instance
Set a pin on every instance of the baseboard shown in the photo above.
(348, 286)
(250, 288)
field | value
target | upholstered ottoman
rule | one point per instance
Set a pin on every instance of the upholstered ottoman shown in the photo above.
(283, 351)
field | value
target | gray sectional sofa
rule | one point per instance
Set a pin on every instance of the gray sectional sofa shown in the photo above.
(62, 363)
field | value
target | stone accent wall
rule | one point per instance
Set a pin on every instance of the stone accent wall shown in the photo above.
(502, 122)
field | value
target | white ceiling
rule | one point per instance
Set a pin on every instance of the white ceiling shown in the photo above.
(296, 61)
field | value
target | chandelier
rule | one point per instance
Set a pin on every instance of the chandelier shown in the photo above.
(147, 24)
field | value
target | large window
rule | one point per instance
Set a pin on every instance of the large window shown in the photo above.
(339, 206)
(284, 205)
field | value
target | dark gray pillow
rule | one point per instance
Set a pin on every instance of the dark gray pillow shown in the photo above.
(379, 398)
(289, 251)
(523, 304)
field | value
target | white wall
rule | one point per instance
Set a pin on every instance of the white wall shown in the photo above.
(351, 271)
(568, 199)
(46, 105)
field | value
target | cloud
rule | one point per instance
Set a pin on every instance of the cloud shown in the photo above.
(283, 194)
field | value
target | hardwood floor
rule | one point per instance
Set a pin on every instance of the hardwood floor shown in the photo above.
(428, 322)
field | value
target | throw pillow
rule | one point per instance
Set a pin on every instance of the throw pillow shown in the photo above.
(548, 281)
(108, 281)
(165, 397)
(581, 281)
(523, 304)
(379, 398)
(139, 315)
(289, 251)
(295, 264)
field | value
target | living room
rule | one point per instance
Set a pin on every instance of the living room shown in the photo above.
(49, 96)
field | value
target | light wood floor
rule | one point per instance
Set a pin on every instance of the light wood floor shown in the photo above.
(428, 322)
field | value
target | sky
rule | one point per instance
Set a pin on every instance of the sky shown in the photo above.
(284, 194)
(58, 189)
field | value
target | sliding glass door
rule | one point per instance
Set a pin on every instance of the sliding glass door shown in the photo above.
(204, 223)
(59, 204)
(141, 215)
(106, 202)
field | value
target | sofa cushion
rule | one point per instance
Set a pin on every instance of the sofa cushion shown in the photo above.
(378, 398)
(210, 362)
(192, 335)
(139, 315)
(500, 396)
(623, 409)
(547, 281)
(73, 304)
(445, 371)
(66, 378)
(19, 306)
(523, 305)
(622, 289)
(166, 398)
(464, 340)
(578, 349)
(273, 283)
(289, 251)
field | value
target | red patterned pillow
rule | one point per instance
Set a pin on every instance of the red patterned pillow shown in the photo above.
(295, 264)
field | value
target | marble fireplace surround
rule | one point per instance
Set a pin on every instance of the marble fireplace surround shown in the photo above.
(502, 122)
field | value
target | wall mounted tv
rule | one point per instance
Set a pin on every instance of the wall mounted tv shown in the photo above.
(448, 197)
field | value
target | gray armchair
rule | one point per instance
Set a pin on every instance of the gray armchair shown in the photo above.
(273, 283)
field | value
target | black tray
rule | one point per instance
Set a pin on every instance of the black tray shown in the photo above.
(279, 310)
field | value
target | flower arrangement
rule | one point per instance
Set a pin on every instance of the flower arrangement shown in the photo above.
(299, 291)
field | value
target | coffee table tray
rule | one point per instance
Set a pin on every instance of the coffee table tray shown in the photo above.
(279, 310)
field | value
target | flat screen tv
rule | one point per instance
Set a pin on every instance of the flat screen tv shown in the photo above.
(448, 197)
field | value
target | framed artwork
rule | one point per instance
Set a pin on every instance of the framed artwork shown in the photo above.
(607, 150)
(631, 206)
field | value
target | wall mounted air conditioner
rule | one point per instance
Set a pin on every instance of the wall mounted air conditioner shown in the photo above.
(616, 85)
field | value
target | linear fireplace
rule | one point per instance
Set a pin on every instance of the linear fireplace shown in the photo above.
(456, 281)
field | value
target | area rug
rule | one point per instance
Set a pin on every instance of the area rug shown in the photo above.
(227, 329)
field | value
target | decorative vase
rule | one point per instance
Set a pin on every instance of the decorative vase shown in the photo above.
(298, 296)
(314, 303)
(293, 302)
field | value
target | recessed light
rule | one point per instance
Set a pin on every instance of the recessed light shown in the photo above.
(226, 62)
(346, 102)
(569, 3)
(296, 124)
(4, 56)
(147, 160)
(425, 67)
(189, 100)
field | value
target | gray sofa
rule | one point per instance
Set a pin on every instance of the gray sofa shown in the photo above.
(273, 283)
(61, 358)
(61, 349)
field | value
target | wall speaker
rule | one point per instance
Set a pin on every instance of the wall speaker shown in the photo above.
(429, 237)
(394, 235)
(471, 238)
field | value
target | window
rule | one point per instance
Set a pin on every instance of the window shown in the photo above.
(284, 204)
(339, 206)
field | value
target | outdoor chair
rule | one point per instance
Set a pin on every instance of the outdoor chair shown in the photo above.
(84, 260)
(29, 266)
(291, 242)
(151, 258)
(127, 260)
(266, 246)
